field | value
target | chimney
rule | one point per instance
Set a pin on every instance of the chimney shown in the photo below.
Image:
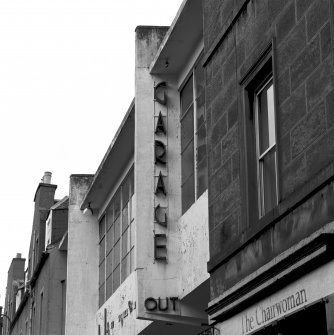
(18, 255)
(47, 177)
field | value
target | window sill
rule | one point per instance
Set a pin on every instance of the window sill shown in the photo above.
(235, 245)
(276, 214)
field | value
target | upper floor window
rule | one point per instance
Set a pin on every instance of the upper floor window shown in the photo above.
(193, 138)
(261, 142)
(266, 146)
(116, 246)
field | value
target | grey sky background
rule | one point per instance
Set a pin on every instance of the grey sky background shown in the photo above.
(66, 81)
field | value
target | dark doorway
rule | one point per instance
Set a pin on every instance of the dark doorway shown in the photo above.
(309, 321)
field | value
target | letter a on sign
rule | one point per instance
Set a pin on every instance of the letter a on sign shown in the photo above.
(160, 185)
(160, 127)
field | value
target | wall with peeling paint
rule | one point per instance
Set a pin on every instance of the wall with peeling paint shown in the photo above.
(119, 312)
(194, 247)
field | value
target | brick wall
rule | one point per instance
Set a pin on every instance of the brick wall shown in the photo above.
(235, 34)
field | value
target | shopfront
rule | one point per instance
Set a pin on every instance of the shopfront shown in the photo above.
(308, 321)
(305, 306)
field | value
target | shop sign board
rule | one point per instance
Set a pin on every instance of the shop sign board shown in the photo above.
(307, 290)
(263, 314)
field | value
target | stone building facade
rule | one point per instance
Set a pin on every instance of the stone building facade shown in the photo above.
(269, 102)
(212, 209)
(39, 296)
(14, 278)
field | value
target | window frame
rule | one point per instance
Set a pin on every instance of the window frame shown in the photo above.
(110, 228)
(262, 72)
(260, 157)
(191, 75)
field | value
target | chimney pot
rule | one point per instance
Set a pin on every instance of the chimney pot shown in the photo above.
(47, 177)
(18, 255)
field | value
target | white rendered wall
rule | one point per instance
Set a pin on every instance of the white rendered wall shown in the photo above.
(155, 278)
(193, 227)
(121, 310)
(82, 263)
(187, 236)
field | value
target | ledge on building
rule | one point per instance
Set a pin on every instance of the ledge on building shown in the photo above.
(307, 255)
(20, 309)
(183, 34)
(38, 269)
(120, 150)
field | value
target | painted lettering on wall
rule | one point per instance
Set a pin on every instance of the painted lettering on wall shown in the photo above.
(161, 304)
(262, 315)
(160, 171)
(108, 326)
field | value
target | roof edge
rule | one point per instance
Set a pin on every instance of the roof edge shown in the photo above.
(99, 169)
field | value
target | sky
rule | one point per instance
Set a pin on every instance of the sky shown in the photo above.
(66, 81)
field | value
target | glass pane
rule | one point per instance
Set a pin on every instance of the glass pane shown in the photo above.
(117, 204)
(117, 229)
(125, 191)
(132, 207)
(187, 95)
(109, 291)
(132, 182)
(132, 234)
(110, 216)
(101, 295)
(125, 243)
(125, 218)
(188, 193)
(199, 79)
(109, 262)
(201, 144)
(202, 178)
(187, 128)
(187, 161)
(268, 172)
(200, 110)
(110, 239)
(102, 250)
(271, 114)
(102, 227)
(266, 117)
(117, 250)
(125, 267)
(101, 273)
(132, 260)
(116, 278)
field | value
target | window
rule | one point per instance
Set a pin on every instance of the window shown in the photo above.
(260, 140)
(116, 255)
(41, 315)
(33, 319)
(266, 147)
(193, 138)
(63, 305)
